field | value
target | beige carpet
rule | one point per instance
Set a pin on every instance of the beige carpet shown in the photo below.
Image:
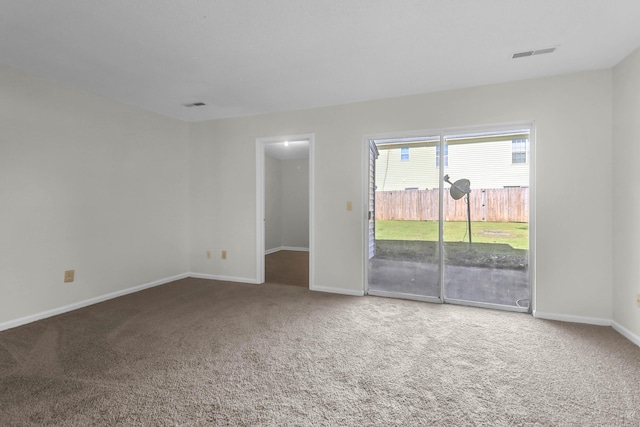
(198, 352)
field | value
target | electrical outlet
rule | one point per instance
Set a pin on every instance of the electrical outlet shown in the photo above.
(68, 276)
(208, 254)
(224, 254)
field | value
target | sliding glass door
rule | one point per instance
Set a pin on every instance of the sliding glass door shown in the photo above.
(485, 219)
(404, 256)
(449, 218)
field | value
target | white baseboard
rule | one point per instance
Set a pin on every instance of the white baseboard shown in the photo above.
(223, 278)
(285, 248)
(591, 321)
(80, 304)
(575, 319)
(626, 333)
(337, 291)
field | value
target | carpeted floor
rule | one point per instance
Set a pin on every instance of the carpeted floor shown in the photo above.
(197, 352)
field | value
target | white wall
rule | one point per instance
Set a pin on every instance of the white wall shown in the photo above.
(222, 183)
(295, 203)
(626, 200)
(89, 184)
(272, 203)
(572, 115)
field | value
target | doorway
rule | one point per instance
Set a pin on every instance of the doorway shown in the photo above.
(450, 213)
(284, 219)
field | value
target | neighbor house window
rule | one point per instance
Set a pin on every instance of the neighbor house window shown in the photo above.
(519, 151)
(446, 156)
(404, 154)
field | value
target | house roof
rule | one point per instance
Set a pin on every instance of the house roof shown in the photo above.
(243, 58)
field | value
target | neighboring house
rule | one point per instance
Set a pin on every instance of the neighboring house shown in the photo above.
(405, 164)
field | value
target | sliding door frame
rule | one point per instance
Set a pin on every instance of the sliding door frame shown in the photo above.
(368, 139)
(530, 125)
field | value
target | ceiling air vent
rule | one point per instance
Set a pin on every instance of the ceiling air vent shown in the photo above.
(543, 51)
(195, 104)
(522, 54)
(526, 53)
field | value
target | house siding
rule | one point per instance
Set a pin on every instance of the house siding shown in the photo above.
(487, 165)
(419, 171)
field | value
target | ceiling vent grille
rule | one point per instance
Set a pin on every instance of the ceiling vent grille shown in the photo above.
(527, 53)
(543, 51)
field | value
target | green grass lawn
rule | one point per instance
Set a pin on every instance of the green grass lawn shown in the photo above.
(514, 234)
(495, 244)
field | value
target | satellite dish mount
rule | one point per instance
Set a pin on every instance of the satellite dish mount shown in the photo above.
(459, 189)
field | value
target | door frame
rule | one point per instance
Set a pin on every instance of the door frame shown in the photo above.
(443, 132)
(260, 201)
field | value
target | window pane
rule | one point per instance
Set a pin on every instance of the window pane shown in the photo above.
(446, 156)
(519, 151)
(519, 158)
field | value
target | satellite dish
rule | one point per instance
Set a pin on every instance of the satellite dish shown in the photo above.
(458, 190)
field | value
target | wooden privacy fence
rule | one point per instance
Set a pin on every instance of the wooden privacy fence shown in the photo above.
(494, 205)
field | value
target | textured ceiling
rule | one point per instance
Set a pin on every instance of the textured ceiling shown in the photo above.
(251, 57)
